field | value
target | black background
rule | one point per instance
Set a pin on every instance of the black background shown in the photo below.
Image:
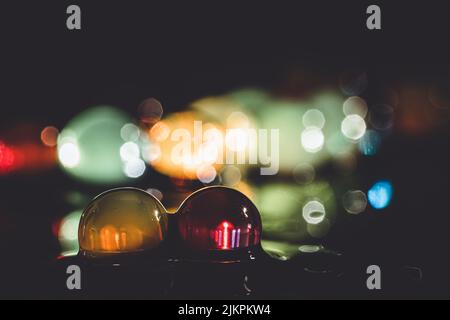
(178, 52)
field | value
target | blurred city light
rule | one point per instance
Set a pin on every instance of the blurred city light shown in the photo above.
(49, 136)
(231, 176)
(68, 233)
(93, 148)
(189, 147)
(206, 174)
(238, 119)
(27, 154)
(281, 207)
(129, 151)
(355, 201)
(314, 212)
(380, 195)
(354, 127)
(130, 132)
(370, 143)
(69, 155)
(313, 139)
(7, 158)
(160, 132)
(291, 211)
(355, 105)
(134, 168)
(150, 111)
(151, 152)
(314, 118)
(245, 109)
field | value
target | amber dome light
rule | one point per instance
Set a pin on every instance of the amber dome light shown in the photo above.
(123, 220)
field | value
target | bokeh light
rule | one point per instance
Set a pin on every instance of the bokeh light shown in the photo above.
(313, 139)
(238, 120)
(134, 168)
(69, 154)
(160, 132)
(192, 144)
(354, 127)
(206, 174)
(7, 158)
(286, 119)
(151, 152)
(91, 148)
(129, 151)
(370, 143)
(150, 111)
(380, 195)
(68, 233)
(49, 136)
(314, 118)
(355, 105)
(281, 206)
(231, 176)
(314, 212)
(355, 201)
(130, 132)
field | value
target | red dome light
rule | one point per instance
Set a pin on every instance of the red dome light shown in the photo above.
(219, 218)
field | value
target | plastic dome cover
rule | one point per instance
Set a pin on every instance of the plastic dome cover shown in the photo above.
(122, 221)
(219, 218)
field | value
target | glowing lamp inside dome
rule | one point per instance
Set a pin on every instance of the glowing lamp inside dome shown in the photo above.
(219, 219)
(122, 221)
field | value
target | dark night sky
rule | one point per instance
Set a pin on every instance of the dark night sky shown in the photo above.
(180, 52)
